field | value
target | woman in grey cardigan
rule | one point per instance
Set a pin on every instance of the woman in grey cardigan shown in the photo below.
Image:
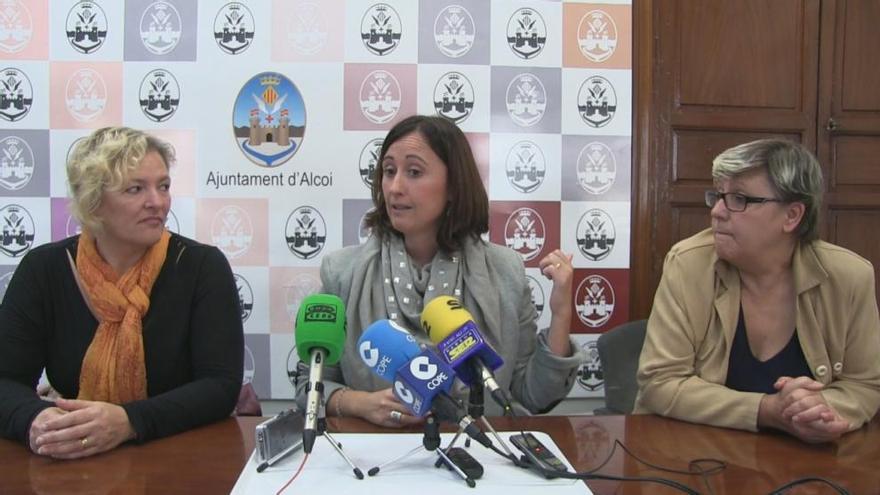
(430, 211)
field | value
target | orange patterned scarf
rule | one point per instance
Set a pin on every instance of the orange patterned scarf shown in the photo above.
(113, 368)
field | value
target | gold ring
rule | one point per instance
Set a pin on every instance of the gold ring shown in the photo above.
(396, 416)
(84, 442)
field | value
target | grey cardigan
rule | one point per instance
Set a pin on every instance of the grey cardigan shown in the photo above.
(537, 378)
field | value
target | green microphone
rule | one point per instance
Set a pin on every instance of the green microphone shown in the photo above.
(320, 338)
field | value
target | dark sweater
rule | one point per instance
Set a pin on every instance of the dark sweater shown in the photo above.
(192, 332)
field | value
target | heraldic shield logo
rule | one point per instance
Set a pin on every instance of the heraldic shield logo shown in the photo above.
(524, 232)
(85, 95)
(454, 97)
(245, 296)
(234, 28)
(160, 28)
(526, 166)
(596, 168)
(597, 101)
(16, 94)
(369, 160)
(454, 31)
(526, 33)
(594, 301)
(380, 29)
(597, 36)
(269, 119)
(16, 26)
(590, 375)
(595, 234)
(17, 233)
(16, 163)
(86, 27)
(537, 294)
(305, 232)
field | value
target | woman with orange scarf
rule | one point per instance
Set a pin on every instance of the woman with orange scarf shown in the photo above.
(137, 328)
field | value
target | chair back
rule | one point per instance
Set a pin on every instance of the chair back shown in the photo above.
(619, 350)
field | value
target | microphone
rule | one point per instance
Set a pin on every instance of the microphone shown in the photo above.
(420, 379)
(320, 338)
(385, 346)
(423, 385)
(452, 328)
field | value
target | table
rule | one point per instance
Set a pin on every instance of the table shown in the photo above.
(209, 459)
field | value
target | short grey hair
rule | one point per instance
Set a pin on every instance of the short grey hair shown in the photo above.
(794, 173)
(103, 161)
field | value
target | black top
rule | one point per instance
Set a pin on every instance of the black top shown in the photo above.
(192, 332)
(746, 374)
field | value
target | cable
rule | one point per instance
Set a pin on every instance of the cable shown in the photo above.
(595, 476)
(299, 470)
(810, 479)
(592, 474)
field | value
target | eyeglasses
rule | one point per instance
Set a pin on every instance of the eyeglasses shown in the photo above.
(735, 201)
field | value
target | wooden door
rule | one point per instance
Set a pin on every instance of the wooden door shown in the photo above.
(848, 143)
(717, 74)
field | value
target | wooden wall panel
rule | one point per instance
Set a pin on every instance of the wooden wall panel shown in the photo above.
(860, 90)
(858, 230)
(855, 163)
(740, 54)
(694, 149)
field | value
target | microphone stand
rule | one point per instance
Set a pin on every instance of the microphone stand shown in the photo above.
(322, 432)
(476, 409)
(430, 443)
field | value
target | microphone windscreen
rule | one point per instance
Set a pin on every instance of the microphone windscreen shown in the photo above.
(320, 323)
(385, 346)
(417, 382)
(442, 316)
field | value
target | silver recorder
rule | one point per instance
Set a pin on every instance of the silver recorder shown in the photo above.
(279, 435)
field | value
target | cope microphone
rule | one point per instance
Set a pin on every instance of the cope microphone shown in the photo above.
(320, 338)
(385, 346)
(420, 379)
(452, 328)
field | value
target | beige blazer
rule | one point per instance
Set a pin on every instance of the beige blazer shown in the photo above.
(683, 365)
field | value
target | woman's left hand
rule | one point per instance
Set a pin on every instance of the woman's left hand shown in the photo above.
(556, 266)
(88, 428)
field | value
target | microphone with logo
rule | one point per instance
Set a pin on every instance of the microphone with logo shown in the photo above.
(385, 347)
(452, 328)
(320, 339)
(421, 383)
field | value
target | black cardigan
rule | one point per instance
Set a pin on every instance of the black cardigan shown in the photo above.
(193, 339)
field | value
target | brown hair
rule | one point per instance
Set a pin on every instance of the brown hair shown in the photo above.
(467, 212)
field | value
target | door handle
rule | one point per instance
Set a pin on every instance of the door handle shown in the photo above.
(831, 126)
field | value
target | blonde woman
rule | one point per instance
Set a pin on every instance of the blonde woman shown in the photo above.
(138, 328)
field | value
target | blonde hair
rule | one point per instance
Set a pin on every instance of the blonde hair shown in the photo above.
(104, 161)
(794, 173)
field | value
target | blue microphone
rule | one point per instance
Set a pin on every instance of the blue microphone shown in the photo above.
(385, 346)
(421, 380)
(417, 382)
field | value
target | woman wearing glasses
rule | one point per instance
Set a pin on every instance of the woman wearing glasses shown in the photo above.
(756, 323)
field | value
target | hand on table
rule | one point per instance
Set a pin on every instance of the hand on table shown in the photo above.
(800, 409)
(78, 428)
(380, 408)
